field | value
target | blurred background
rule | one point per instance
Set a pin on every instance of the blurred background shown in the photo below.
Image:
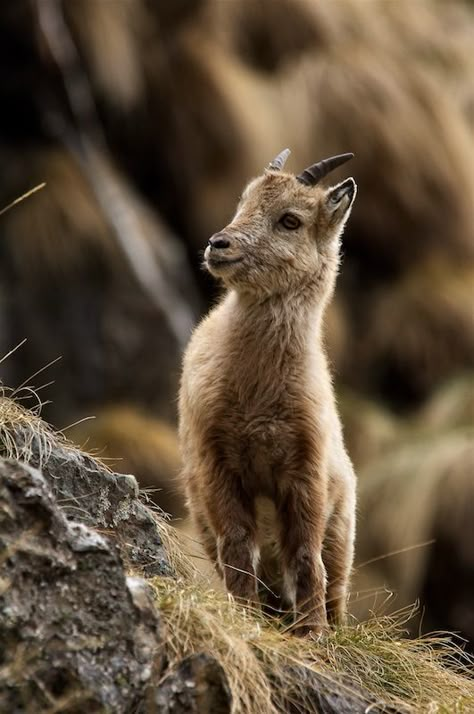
(145, 118)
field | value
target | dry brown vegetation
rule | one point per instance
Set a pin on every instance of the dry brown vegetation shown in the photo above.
(267, 668)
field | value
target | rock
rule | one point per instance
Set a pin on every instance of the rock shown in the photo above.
(87, 492)
(328, 695)
(197, 686)
(76, 631)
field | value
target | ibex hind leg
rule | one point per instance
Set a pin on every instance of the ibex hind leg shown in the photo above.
(338, 555)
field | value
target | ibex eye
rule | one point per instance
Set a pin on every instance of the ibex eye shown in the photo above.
(290, 222)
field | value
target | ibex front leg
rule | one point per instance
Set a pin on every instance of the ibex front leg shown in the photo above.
(302, 511)
(232, 516)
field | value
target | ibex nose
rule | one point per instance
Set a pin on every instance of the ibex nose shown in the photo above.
(219, 240)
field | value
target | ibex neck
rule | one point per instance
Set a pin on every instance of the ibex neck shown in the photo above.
(277, 319)
(272, 342)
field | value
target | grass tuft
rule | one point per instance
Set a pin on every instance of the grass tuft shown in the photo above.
(22, 432)
(267, 669)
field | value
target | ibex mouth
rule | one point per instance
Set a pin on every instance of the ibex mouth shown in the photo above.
(215, 262)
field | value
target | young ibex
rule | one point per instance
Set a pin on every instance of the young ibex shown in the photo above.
(258, 419)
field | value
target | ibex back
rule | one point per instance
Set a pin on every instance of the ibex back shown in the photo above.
(268, 480)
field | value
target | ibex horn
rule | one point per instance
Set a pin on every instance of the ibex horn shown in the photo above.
(279, 161)
(313, 174)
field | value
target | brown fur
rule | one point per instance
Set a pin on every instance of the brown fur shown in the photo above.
(258, 418)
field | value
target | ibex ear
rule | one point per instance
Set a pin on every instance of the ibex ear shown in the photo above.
(340, 198)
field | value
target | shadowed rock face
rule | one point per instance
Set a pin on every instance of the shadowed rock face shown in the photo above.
(198, 685)
(75, 627)
(319, 694)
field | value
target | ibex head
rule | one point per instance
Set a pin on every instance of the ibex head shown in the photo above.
(286, 230)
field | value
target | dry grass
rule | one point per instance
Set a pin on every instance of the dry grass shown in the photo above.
(267, 667)
(24, 436)
(22, 198)
(22, 432)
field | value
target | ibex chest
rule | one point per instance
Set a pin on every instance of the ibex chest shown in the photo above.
(262, 445)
